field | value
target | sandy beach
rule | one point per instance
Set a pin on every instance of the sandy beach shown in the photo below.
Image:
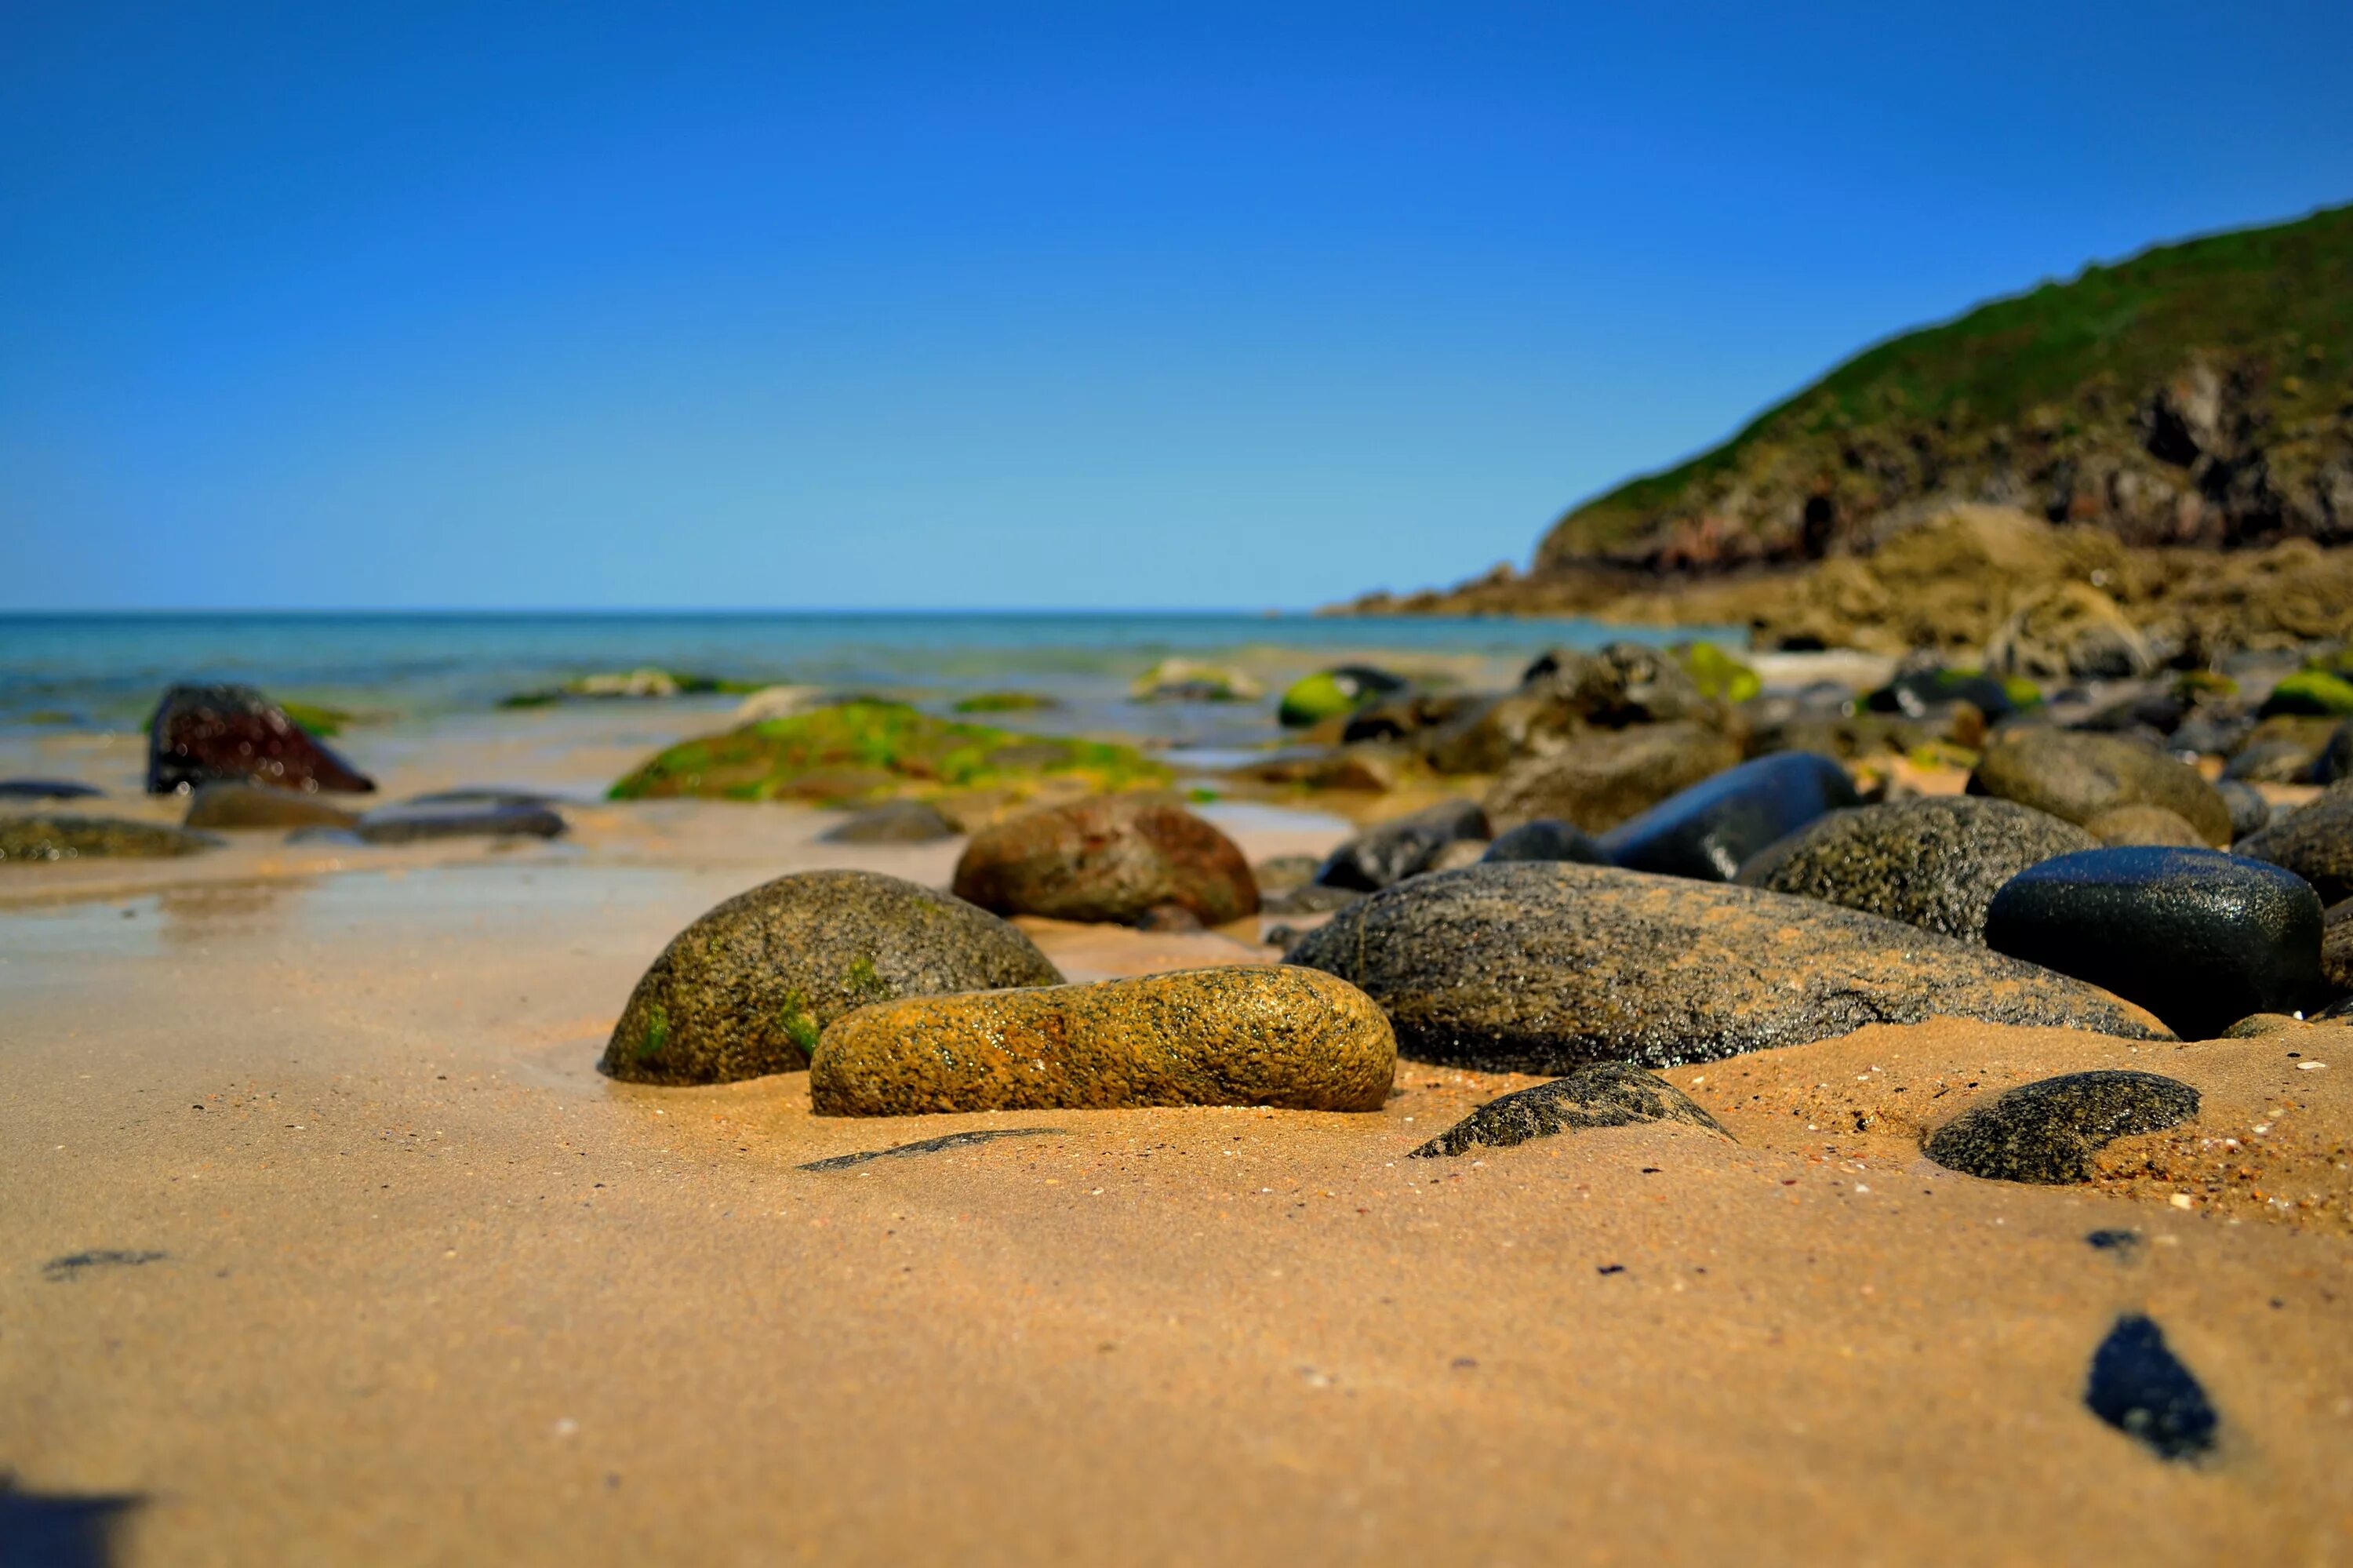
(328, 1242)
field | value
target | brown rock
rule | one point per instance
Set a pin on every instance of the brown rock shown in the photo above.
(228, 805)
(202, 734)
(2143, 825)
(1610, 776)
(2068, 631)
(1110, 858)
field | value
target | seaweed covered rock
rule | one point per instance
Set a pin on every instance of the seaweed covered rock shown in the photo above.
(2078, 777)
(1602, 779)
(1935, 862)
(747, 989)
(207, 735)
(50, 837)
(1330, 694)
(2047, 1132)
(1250, 1035)
(1606, 1094)
(1709, 830)
(1540, 967)
(1108, 859)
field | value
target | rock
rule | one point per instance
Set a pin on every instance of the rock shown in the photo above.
(250, 806)
(1192, 680)
(1168, 919)
(1455, 856)
(1610, 776)
(1006, 703)
(779, 702)
(58, 837)
(2078, 776)
(2138, 1386)
(892, 822)
(2046, 1132)
(1717, 674)
(747, 989)
(2336, 948)
(2125, 825)
(1108, 859)
(206, 735)
(1708, 830)
(2315, 842)
(1388, 853)
(46, 789)
(1315, 898)
(1250, 1035)
(2068, 631)
(414, 823)
(2336, 759)
(2284, 749)
(489, 795)
(2249, 809)
(2199, 938)
(1371, 767)
(1279, 874)
(1935, 862)
(2316, 691)
(1329, 694)
(1923, 690)
(1618, 685)
(1606, 1094)
(1540, 967)
(1546, 837)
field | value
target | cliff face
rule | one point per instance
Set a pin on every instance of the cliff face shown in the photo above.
(2200, 393)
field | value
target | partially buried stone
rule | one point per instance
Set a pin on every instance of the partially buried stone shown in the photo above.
(59, 837)
(1546, 837)
(228, 805)
(892, 822)
(1107, 859)
(2199, 938)
(414, 823)
(2336, 948)
(1708, 831)
(46, 789)
(1606, 1093)
(1250, 1035)
(1935, 862)
(2316, 844)
(1388, 853)
(2138, 1386)
(2078, 776)
(2047, 1132)
(1603, 778)
(202, 734)
(1539, 968)
(748, 988)
(2123, 826)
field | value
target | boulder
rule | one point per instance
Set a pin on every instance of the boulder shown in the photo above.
(2315, 842)
(1710, 829)
(1538, 968)
(1388, 853)
(1608, 776)
(2336, 949)
(2077, 776)
(48, 837)
(747, 989)
(1329, 694)
(1935, 862)
(1249, 1035)
(1606, 1094)
(228, 805)
(2047, 1132)
(2068, 631)
(2199, 938)
(2125, 825)
(206, 735)
(1107, 859)
(1546, 837)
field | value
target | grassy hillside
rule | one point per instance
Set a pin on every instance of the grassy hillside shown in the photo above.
(2196, 393)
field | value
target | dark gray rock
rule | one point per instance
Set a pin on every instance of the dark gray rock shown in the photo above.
(1708, 831)
(1610, 776)
(203, 735)
(490, 795)
(892, 822)
(2138, 1386)
(2336, 759)
(2077, 776)
(415, 823)
(2249, 809)
(2199, 938)
(1312, 898)
(1539, 968)
(1935, 862)
(48, 837)
(1923, 690)
(2315, 842)
(1606, 1093)
(2046, 1132)
(1388, 853)
(46, 789)
(748, 988)
(226, 805)
(1546, 837)
(1279, 874)
(2336, 949)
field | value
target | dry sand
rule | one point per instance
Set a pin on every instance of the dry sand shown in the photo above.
(426, 1289)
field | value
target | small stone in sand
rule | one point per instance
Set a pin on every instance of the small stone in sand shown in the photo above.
(1607, 1094)
(2046, 1132)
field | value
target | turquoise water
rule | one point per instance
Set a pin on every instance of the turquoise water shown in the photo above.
(104, 671)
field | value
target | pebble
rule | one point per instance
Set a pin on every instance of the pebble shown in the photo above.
(47, 789)
(1606, 1094)
(2047, 1132)
(415, 823)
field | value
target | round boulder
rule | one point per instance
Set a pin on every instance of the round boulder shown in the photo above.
(2078, 777)
(1708, 831)
(2315, 842)
(1605, 776)
(1108, 859)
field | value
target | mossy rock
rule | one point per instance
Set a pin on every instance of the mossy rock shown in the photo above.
(1717, 672)
(856, 752)
(1333, 694)
(316, 719)
(1006, 703)
(2311, 692)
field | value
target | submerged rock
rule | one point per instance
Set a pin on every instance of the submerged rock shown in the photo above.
(2138, 1386)
(1329, 694)
(1250, 1035)
(2315, 842)
(892, 822)
(1547, 837)
(1605, 778)
(1708, 831)
(1606, 1093)
(46, 789)
(413, 822)
(1108, 859)
(1935, 862)
(206, 735)
(2078, 776)
(58, 837)
(1192, 680)
(1542, 967)
(1388, 853)
(2199, 938)
(747, 989)
(2047, 1132)
(251, 806)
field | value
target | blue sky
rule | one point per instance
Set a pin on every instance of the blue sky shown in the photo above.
(876, 306)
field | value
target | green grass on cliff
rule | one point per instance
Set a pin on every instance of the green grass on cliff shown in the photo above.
(2283, 294)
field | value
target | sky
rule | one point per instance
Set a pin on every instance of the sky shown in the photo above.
(593, 305)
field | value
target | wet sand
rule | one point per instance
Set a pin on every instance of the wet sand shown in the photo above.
(430, 1290)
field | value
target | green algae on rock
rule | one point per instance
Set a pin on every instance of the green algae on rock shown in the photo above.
(1247, 1034)
(1004, 702)
(46, 837)
(858, 752)
(748, 988)
(1606, 1093)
